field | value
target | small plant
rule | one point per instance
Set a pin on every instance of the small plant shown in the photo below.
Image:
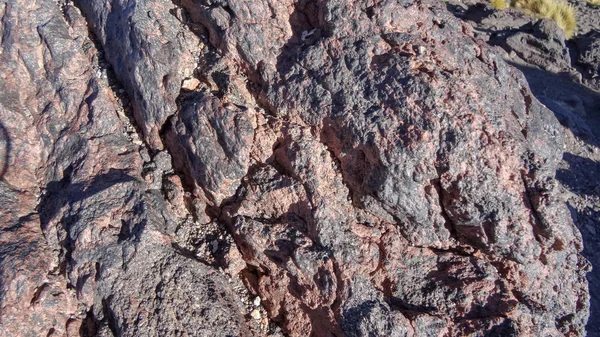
(561, 12)
(502, 4)
(593, 3)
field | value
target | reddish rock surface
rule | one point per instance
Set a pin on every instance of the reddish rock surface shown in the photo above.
(365, 168)
(87, 245)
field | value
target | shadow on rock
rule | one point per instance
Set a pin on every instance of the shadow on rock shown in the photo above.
(5, 148)
(581, 178)
(62, 193)
(577, 107)
(489, 24)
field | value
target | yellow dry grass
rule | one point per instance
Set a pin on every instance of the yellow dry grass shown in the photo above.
(501, 4)
(593, 3)
(561, 12)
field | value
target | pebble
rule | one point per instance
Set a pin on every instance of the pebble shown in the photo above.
(256, 301)
(145, 155)
(255, 314)
(190, 84)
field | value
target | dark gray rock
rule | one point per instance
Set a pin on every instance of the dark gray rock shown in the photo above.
(366, 313)
(151, 52)
(588, 58)
(542, 45)
(88, 248)
(525, 38)
(147, 289)
(211, 143)
(380, 171)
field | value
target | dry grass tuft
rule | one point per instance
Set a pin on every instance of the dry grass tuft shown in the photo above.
(501, 4)
(561, 12)
(593, 3)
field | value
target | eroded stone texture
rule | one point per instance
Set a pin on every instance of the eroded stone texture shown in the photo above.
(86, 244)
(211, 143)
(401, 137)
(380, 171)
(588, 58)
(525, 38)
(151, 54)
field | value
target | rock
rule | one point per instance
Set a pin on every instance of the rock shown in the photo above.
(576, 107)
(190, 84)
(150, 51)
(87, 246)
(588, 58)
(167, 285)
(255, 314)
(364, 169)
(532, 41)
(378, 153)
(211, 143)
(489, 22)
(542, 45)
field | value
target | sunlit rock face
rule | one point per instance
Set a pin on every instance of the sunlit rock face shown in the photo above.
(365, 168)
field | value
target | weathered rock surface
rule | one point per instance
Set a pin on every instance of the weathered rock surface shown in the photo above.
(542, 45)
(211, 143)
(575, 101)
(86, 244)
(527, 40)
(577, 109)
(364, 168)
(588, 58)
(150, 52)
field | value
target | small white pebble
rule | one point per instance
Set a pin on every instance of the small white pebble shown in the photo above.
(256, 301)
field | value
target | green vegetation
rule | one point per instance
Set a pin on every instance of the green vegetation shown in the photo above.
(561, 12)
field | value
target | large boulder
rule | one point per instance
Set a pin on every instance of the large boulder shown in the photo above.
(380, 171)
(411, 166)
(526, 38)
(588, 58)
(87, 244)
